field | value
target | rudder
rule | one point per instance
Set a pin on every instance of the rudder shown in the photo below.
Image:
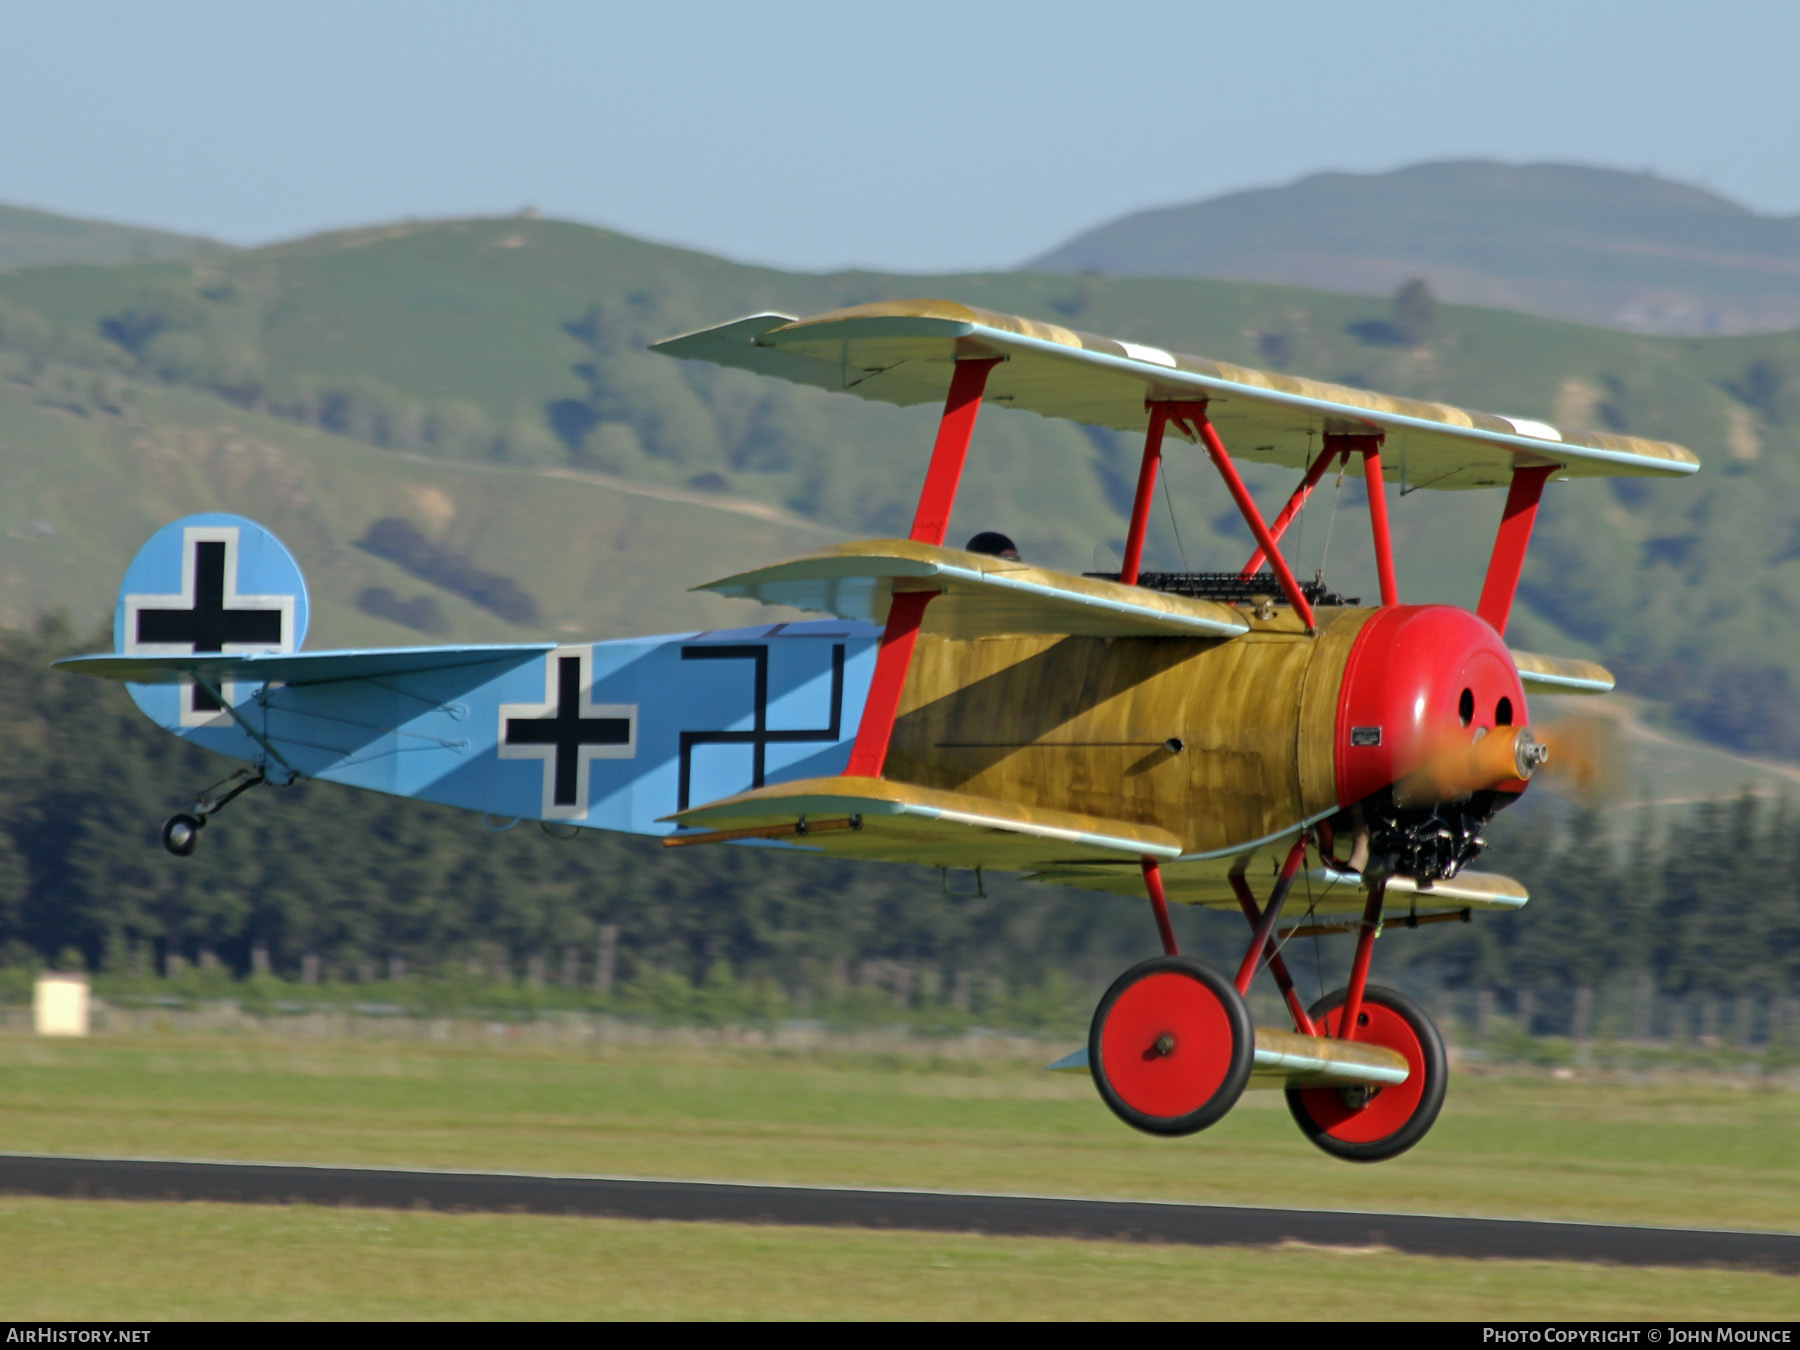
(207, 583)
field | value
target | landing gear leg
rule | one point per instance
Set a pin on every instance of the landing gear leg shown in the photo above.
(181, 831)
(1171, 1044)
(1367, 1123)
(1262, 945)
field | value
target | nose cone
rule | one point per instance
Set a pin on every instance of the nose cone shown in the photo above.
(1421, 680)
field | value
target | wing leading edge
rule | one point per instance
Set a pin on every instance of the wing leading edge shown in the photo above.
(1561, 675)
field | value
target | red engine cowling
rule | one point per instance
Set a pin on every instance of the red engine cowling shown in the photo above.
(1422, 681)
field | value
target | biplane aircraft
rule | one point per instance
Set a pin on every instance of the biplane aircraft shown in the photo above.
(1188, 737)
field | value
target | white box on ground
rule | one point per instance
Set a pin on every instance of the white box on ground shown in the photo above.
(59, 1004)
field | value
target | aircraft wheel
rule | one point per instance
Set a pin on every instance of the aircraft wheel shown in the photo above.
(1371, 1125)
(181, 833)
(1171, 1046)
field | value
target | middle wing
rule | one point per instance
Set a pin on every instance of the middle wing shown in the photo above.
(982, 595)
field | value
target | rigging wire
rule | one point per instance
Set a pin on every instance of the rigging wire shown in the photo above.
(1337, 495)
(1297, 529)
(1169, 501)
(1312, 906)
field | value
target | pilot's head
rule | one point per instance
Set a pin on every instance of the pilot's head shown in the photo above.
(994, 543)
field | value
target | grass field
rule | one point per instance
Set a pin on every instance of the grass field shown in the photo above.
(130, 1262)
(967, 1115)
(1687, 1153)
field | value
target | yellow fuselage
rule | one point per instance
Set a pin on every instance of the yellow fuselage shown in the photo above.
(1219, 742)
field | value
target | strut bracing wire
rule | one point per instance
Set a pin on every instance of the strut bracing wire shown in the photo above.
(1297, 529)
(1337, 495)
(1169, 501)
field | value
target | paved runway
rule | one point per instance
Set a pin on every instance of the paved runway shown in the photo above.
(938, 1211)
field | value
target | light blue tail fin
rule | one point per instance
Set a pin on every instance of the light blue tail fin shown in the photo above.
(207, 583)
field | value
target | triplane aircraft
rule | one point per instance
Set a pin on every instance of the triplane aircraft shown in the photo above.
(1176, 735)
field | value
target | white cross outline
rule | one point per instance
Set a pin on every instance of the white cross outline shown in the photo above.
(191, 536)
(585, 755)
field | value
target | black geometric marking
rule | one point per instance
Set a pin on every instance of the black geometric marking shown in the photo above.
(208, 626)
(759, 737)
(568, 730)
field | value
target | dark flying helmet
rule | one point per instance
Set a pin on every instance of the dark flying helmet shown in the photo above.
(994, 543)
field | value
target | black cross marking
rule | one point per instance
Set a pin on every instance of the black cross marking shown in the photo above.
(208, 626)
(759, 736)
(568, 730)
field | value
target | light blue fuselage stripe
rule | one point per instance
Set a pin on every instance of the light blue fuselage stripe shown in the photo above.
(438, 734)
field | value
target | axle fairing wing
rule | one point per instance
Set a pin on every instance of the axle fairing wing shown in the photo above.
(902, 352)
(1284, 1059)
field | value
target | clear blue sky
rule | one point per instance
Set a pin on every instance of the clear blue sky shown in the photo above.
(917, 136)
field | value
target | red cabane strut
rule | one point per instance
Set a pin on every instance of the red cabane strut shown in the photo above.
(1342, 446)
(1190, 419)
(1294, 503)
(1146, 494)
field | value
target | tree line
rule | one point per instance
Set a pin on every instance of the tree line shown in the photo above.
(316, 881)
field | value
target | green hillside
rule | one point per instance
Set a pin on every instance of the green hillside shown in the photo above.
(355, 378)
(1628, 250)
(87, 483)
(40, 239)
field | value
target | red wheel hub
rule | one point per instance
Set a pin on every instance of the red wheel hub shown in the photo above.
(1387, 1111)
(1167, 1045)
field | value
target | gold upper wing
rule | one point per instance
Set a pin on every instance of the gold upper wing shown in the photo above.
(902, 352)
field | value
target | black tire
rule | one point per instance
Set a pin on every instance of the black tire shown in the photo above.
(1188, 1083)
(181, 833)
(1330, 1118)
